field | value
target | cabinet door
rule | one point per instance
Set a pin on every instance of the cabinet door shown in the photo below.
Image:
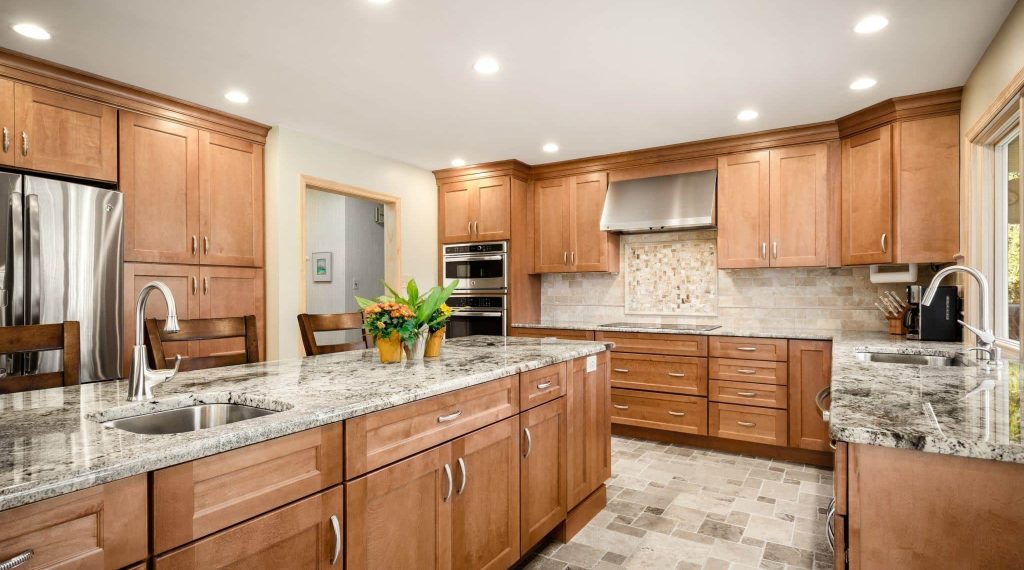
(591, 249)
(493, 215)
(303, 535)
(231, 292)
(230, 201)
(485, 507)
(457, 212)
(183, 281)
(552, 207)
(542, 471)
(799, 206)
(867, 198)
(588, 453)
(928, 180)
(8, 145)
(64, 134)
(400, 516)
(160, 182)
(743, 199)
(810, 371)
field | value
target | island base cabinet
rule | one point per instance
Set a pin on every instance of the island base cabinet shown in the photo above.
(301, 536)
(103, 527)
(543, 471)
(588, 453)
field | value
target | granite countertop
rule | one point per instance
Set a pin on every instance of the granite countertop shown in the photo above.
(749, 331)
(51, 441)
(956, 410)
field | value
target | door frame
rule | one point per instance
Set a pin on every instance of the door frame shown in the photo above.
(392, 227)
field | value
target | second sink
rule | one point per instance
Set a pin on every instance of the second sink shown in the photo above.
(188, 419)
(918, 359)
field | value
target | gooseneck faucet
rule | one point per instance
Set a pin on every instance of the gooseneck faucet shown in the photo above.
(142, 378)
(986, 338)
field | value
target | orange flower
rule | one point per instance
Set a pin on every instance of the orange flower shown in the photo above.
(380, 325)
(395, 313)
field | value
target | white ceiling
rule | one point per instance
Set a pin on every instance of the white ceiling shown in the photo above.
(595, 76)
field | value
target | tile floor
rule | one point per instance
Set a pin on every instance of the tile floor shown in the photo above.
(677, 507)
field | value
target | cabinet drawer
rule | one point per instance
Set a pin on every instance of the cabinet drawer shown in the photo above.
(744, 393)
(100, 527)
(297, 537)
(200, 497)
(541, 385)
(673, 412)
(747, 423)
(646, 343)
(383, 437)
(749, 348)
(674, 374)
(567, 334)
(756, 371)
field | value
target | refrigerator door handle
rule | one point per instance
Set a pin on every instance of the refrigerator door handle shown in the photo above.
(16, 300)
(34, 284)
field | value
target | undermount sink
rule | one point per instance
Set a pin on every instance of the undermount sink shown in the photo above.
(918, 359)
(188, 418)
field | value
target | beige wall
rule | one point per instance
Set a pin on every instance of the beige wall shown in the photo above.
(1002, 60)
(291, 154)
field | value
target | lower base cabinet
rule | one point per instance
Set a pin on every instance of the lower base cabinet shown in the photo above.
(544, 501)
(589, 437)
(303, 535)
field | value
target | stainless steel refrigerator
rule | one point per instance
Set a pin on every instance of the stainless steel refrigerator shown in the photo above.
(63, 246)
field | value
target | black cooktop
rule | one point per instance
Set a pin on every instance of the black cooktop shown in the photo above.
(682, 327)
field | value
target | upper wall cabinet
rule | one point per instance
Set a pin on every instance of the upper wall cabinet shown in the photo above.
(476, 210)
(773, 208)
(230, 200)
(901, 192)
(59, 133)
(567, 214)
(7, 145)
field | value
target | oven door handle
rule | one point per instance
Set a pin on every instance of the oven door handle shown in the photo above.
(448, 258)
(477, 313)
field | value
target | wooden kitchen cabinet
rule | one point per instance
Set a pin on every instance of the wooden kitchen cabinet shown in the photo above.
(743, 210)
(544, 502)
(230, 201)
(8, 146)
(588, 403)
(810, 371)
(64, 134)
(159, 178)
(104, 527)
(182, 280)
(476, 210)
(568, 226)
(299, 536)
(867, 233)
(231, 292)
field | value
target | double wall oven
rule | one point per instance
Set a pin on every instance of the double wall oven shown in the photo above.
(480, 301)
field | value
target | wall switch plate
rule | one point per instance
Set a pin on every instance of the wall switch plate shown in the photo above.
(591, 363)
(355, 284)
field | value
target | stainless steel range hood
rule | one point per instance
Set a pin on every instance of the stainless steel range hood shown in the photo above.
(661, 203)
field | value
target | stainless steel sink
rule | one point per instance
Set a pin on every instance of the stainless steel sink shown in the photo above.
(189, 418)
(918, 359)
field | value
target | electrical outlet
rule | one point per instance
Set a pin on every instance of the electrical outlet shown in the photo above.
(591, 363)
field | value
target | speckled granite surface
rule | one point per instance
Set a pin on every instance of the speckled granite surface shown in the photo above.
(958, 410)
(51, 441)
(774, 332)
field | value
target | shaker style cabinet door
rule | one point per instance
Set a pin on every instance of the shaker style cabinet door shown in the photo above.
(799, 206)
(743, 202)
(493, 219)
(457, 212)
(544, 501)
(8, 145)
(867, 235)
(810, 371)
(231, 292)
(160, 182)
(590, 247)
(231, 201)
(183, 280)
(588, 402)
(64, 134)
(552, 207)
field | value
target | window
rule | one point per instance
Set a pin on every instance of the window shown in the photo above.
(1007, 238)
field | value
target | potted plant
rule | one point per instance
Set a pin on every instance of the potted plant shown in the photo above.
(422, 308)
(436, 327)
(391, 325)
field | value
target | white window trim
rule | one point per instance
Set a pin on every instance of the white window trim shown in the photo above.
(999, 238)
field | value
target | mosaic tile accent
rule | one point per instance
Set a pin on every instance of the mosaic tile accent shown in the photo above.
(677, 507)
(675, 277)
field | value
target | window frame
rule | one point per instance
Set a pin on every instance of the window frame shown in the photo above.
(1010, 131)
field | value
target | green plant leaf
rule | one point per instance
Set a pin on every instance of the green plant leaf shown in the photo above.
(412, 290)
(363, 303)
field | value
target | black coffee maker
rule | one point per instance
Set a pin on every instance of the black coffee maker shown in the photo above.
(937, 321)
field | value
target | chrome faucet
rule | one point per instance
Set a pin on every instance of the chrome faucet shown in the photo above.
(142, 378)
(986, 338)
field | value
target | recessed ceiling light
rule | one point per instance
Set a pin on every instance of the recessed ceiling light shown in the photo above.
(458, 162)
(871, 24)
(863, 83)
(551, 147)
(486, 66)
(31, 31)
(236, 97)
(747, 115)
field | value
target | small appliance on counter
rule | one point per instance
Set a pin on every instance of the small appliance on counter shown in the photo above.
(937, 321)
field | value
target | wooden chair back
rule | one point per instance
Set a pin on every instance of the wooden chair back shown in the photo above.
(203, 329)
(30, 338)
(310, 324)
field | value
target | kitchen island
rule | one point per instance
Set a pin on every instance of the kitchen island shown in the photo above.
(453, 416)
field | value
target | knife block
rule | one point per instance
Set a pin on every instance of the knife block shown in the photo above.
(896, 323)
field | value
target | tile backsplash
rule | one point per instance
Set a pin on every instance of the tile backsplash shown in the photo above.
(673, 278)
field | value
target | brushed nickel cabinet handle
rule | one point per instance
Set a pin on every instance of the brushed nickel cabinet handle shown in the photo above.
(195, 245)
(529, 442)
(572, 257)
(679, 414)
(15, 561)
(764, 250)
(621, 370)
(206, 245)
(206, 285)
(451, 483)
(449, 417)
(336, 527)
(195, 285)
(883, 243)
(469, 228)
(747, 424)
(746, 394)
(746, 371)
(775, 249)
(24, 143)
(747, 348)
(565, 258)
(676, 374)
(544, 386)
(620, 407)
(7, 140)
(462, 476)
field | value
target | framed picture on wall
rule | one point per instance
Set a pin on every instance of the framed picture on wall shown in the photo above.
(322, 262)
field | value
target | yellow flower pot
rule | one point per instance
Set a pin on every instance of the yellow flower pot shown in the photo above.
(434, 344)
(390, 349)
